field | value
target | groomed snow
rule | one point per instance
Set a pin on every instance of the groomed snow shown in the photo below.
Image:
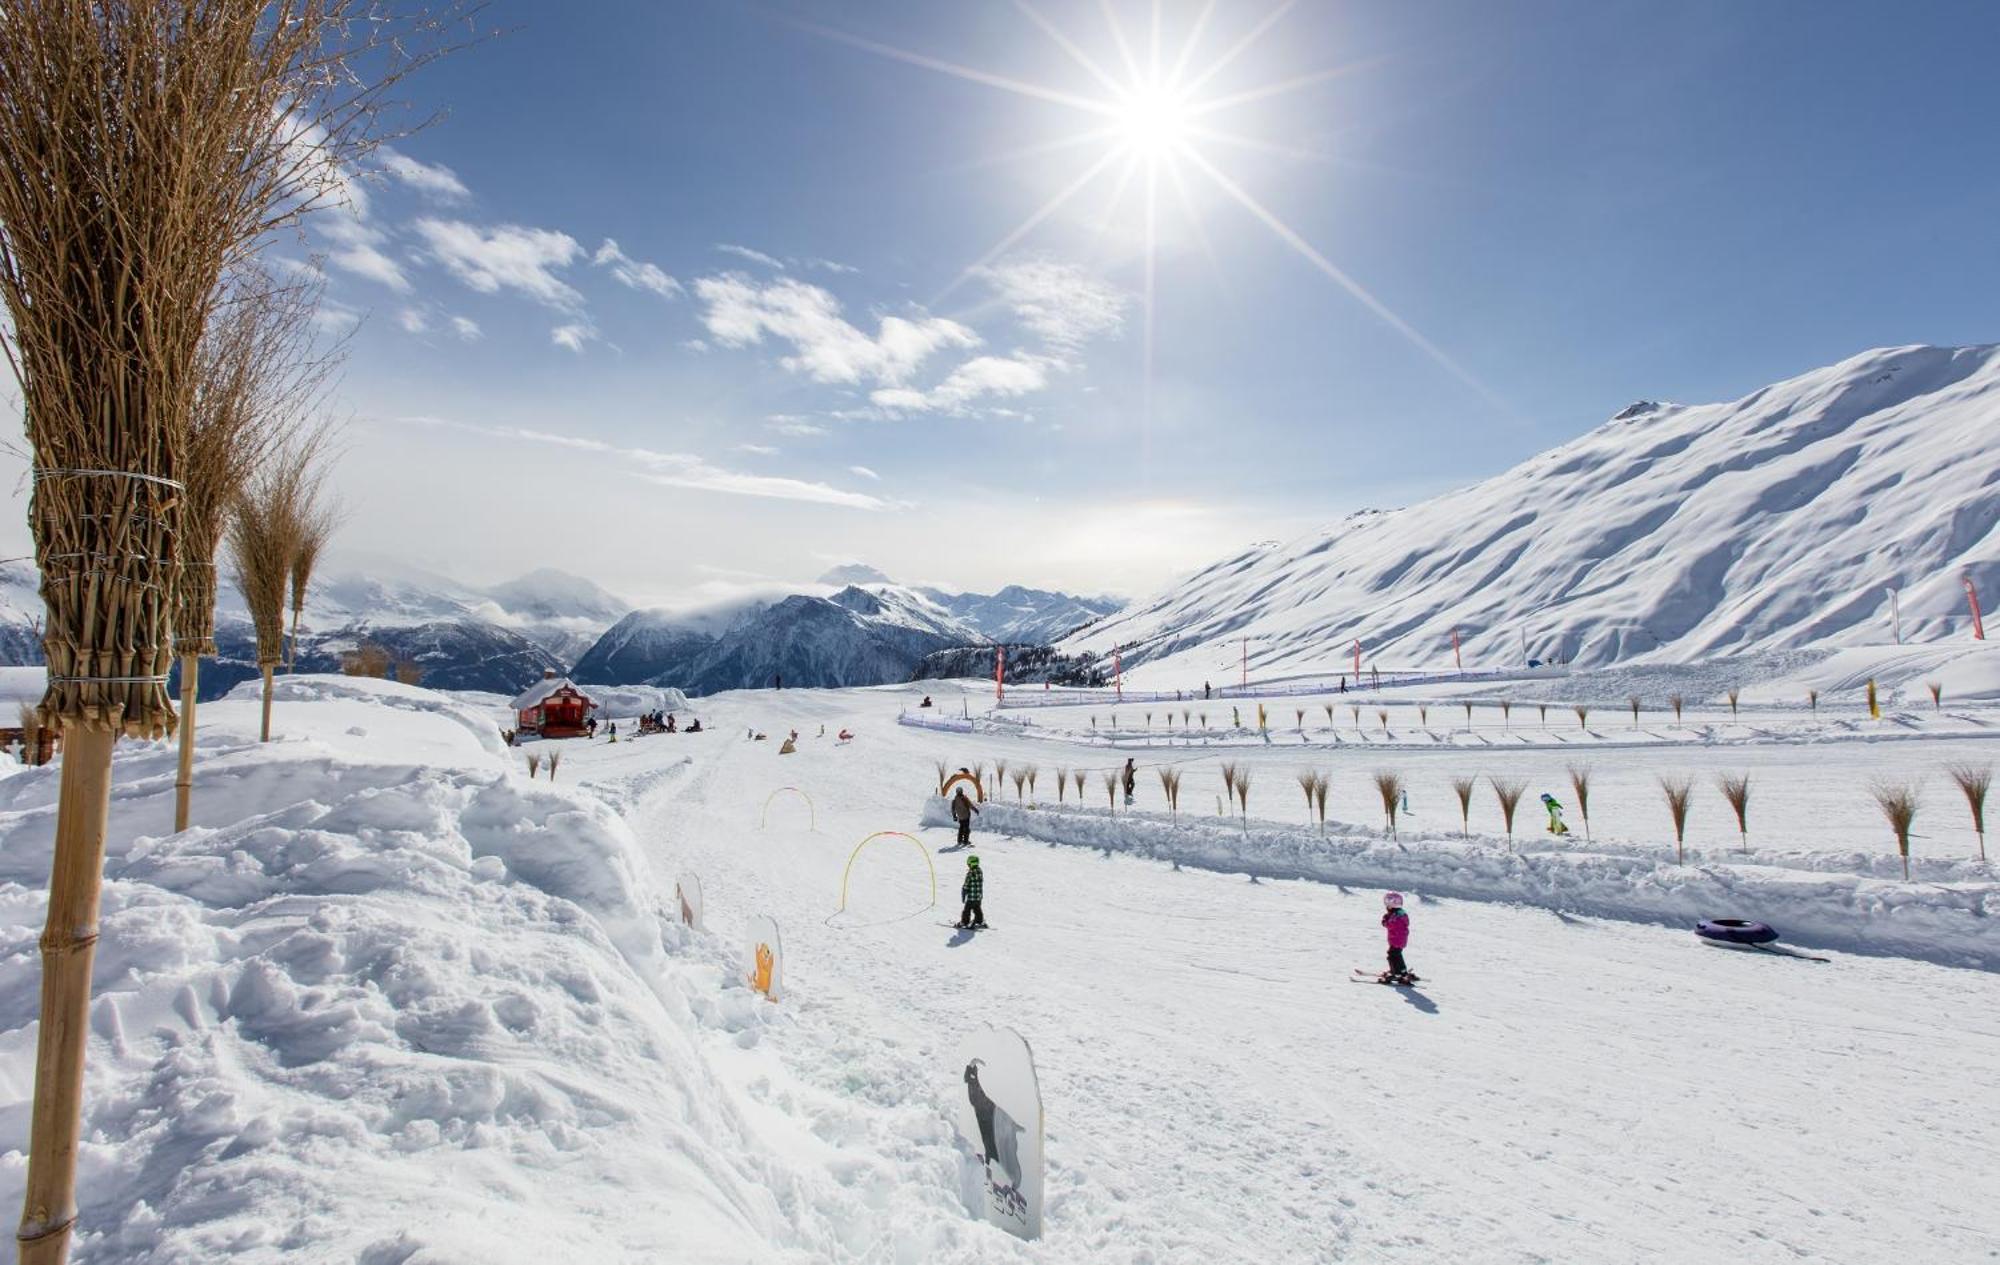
(393, 1002)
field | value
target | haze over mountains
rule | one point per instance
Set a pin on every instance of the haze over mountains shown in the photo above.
(1671, 532)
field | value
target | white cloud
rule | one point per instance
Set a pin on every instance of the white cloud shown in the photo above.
(827, 348)
(979, 377)
(1061, 303)
(467, 329)
(864, 472)
(357, 247)
(828, 265)
(795, 426)
(696, 344)
(412, 320)
(757, 450)
(634, 273)
(680, 469)
(573, 335)
(507, 256)
(754, 256)
(334, 318)
(431, 180)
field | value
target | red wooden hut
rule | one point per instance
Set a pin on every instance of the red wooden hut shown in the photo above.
(554, 708)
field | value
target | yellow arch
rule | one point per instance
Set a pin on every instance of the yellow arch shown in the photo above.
(978, 791)
(812, 814)
(880, 834)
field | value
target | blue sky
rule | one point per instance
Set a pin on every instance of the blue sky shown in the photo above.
(697, 297)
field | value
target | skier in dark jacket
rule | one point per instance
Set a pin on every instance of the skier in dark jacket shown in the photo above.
(974, 887)
(962, 809)
(1131, 780)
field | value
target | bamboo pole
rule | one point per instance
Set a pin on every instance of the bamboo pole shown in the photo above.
(69, 948)
(184, 777)
(265, 736)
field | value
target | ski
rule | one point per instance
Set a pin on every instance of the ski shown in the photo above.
(1372, 975)
(955, 927)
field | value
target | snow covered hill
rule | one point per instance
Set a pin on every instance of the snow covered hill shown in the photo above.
(1671, 532)
(857, 636)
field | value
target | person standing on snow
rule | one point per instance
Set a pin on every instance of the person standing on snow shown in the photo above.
(1556, 826)
(1397, 924)
(1131, 780)
(973, 916)
(962, 809)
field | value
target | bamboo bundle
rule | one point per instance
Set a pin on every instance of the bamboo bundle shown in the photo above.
(147, 149)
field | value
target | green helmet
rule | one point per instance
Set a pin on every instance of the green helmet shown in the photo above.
(972, 861)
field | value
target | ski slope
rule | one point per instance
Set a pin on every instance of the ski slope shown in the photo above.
(1560, 1088)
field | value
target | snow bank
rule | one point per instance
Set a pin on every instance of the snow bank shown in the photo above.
(1811, 902)
(388, 1002)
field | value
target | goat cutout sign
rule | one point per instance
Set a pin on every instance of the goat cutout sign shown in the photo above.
(687, 894)
(999, 1113)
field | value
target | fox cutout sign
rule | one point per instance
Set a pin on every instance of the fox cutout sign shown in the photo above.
(999, 1114)
(764, 956)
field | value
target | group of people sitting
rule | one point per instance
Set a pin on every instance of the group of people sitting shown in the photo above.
(663, 722)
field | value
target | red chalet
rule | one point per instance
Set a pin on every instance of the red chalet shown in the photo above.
(554, 708)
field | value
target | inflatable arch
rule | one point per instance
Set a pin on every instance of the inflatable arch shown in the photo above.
(917, 843)
(812, 814)
(978, 791)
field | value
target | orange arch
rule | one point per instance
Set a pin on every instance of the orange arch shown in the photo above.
(978, 791)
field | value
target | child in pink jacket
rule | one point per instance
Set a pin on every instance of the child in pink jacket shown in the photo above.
(1397, 924)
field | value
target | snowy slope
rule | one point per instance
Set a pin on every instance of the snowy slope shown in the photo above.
(1671, 532)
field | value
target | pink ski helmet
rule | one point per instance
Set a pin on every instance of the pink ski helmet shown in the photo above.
(1392, 900)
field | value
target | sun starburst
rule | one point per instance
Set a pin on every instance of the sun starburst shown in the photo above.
(1153, 117)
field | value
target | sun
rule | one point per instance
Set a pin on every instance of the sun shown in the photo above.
(1159, 122)
(1152, 121)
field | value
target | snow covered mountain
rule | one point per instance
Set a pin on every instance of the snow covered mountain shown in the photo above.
(1025, 616)
(856, 636)
(1669, 533)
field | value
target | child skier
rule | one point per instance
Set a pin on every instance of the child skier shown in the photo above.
(1397, 924)
(973, 916)
(1556, 826)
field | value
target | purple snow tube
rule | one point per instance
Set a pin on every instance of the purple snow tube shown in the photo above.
(1735, 931)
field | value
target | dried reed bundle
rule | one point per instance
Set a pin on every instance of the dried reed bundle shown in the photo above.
(1463, 788)
(1508, 791)
(1062, 783)
(1111, 789)
(1678, 702)
(1679, 792)
(1735, 788)
(1633, 701)
(1582, 717)
(1390, 787)
(1974, 780)
(1579, 782)
(1320, 790)
(555, 762)
(1898, 802)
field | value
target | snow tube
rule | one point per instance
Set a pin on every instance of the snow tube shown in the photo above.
(1735, 931)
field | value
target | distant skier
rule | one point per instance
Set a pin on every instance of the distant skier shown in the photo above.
(1556, 826)
(1397, 924)
(1206, 691)
(1406, 801)
(1131, 780)
(973, 916)
(962, 809)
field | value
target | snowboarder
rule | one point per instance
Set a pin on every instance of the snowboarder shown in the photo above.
(973, 916)
(1131, 780)
(962, 809)
(1397, 924)
(1556, 826)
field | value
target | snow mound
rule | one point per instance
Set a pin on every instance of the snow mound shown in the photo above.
(392, 1002)
(1850, 902)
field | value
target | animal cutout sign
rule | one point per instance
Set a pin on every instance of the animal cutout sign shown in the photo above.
(687, 894)
(764, 957)
(1000, 1116)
